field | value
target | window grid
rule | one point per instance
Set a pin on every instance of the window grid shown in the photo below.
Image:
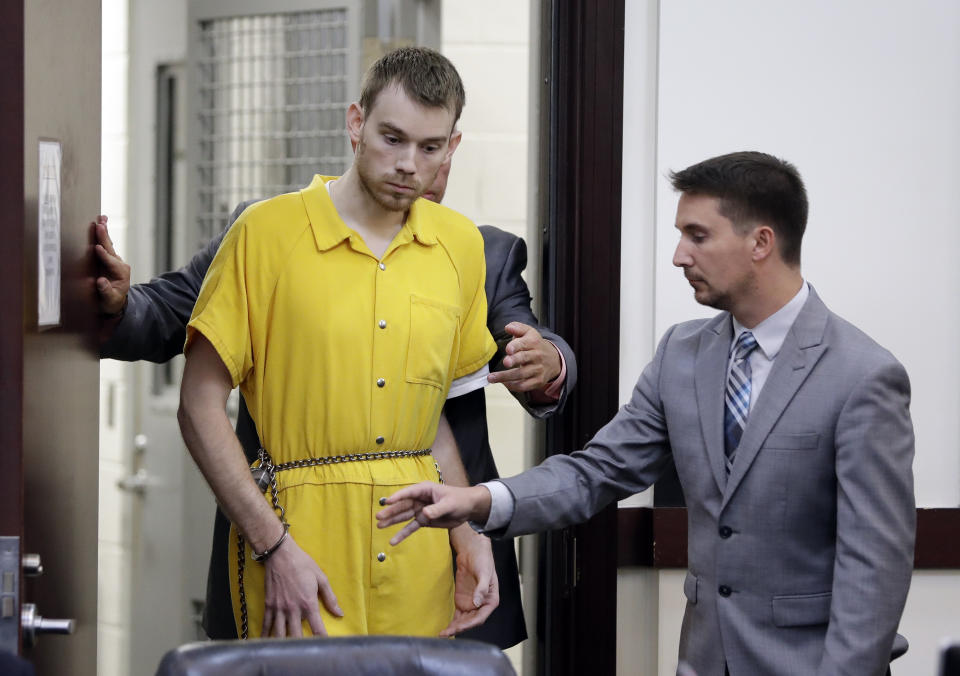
(272, 94)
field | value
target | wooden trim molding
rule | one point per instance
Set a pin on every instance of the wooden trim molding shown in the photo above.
(938, 538)
(656, 537)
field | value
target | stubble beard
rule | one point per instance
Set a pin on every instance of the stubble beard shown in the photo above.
(378, 190)
(706, 295)
(724, 300)
(712, 299)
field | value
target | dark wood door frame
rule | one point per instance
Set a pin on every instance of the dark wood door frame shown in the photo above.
(11, 272)
(581, 146)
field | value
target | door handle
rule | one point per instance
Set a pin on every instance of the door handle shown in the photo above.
(32, 625)
(32, 567)
(138, 482)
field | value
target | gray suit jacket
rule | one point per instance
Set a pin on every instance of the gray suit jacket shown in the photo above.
(800, 559)
(154, 328)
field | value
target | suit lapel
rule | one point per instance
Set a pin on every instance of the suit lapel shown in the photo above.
(710, 376)
(801, 350)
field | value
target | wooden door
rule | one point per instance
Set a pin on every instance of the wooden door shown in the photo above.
(49, 377)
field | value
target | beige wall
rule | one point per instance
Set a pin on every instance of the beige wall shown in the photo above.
(137, 36)
(489, 43)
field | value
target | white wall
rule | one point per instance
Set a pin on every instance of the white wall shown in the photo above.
(638, 594)
(113, 541)
(865, 99)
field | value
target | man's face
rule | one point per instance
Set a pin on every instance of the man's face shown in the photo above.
(716, 259)
(400, 147)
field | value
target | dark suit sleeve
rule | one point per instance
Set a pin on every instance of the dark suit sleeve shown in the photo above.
(154, 323)
(508, 300)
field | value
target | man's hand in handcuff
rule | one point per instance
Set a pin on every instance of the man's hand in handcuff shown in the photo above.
(477, 591)
(292, 583)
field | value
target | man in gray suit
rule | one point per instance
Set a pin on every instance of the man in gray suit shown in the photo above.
(148, 321)
(791, 434)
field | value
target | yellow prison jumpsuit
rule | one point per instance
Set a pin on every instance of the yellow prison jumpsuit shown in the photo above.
(338, 352)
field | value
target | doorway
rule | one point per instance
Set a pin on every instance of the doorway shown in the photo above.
(489, 185)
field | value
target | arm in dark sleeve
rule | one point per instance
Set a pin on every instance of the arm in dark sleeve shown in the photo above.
(154, 323)
(508, 300)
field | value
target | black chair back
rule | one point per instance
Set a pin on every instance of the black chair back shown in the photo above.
(950, 659)
(359, 655)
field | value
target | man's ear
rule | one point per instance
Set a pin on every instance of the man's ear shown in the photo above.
(764, 242)
(354, 123)
(455, 138)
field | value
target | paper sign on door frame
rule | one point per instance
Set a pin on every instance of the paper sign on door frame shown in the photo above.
(48, 234)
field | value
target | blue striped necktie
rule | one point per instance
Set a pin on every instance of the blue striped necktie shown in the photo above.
(737, 395)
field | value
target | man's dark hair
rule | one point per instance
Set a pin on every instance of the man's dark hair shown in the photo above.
(426, 76)
(753, 188)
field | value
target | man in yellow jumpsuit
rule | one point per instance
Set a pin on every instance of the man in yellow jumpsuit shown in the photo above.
(347, 313)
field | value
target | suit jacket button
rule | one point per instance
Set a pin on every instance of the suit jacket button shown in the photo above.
(725, 532)
(724, 591)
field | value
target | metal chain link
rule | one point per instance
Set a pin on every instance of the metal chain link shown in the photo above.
(337, 459)
(267, 462)
(241, 560)
(268, 469)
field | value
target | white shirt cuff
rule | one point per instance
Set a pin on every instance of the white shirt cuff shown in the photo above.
(501, 505)
(469, 383)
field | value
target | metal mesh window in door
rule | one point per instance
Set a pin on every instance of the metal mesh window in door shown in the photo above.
(273, 93)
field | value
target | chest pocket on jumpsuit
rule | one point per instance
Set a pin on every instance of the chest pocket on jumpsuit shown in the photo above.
(434, 329)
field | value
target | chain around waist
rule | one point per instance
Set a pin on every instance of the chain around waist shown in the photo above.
(338, 459)
(265, 473)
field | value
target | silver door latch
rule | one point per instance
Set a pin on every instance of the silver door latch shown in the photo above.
(32, 625)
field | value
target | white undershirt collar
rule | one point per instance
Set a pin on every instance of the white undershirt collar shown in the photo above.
(772, 331)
